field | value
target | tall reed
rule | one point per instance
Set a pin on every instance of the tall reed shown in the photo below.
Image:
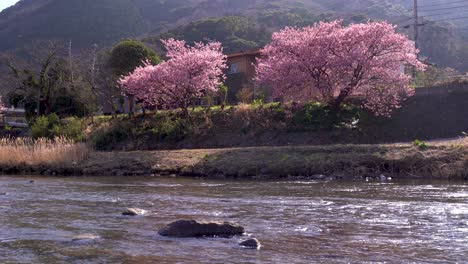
(26, 151)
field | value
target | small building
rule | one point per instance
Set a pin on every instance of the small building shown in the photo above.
(241, 73)
(13, 117)
(243, 62)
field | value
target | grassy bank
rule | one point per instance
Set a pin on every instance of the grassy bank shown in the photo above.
(235, 126)
(424, 118)
(261, 124)
(441, 160)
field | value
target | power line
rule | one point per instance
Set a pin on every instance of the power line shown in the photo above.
(448, 19)
(456, 2)
(447, 8)
(441, 14)
(338, 3)
(440, 20)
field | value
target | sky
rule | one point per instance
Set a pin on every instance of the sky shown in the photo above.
(7, 3)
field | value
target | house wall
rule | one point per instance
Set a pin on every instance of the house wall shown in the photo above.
(245, 64)
(242, 77)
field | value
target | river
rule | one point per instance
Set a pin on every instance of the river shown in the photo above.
(296, 222)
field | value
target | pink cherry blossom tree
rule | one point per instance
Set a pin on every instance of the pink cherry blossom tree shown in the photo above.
(190, 72)
(328, 62)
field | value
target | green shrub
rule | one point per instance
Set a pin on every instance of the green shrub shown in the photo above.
(419, 144)
(172, 129)
(162, 127)
(51, 126)
(72, 129)
(45, 126)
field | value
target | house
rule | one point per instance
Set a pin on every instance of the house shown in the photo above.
(243, 62)
(241, 73)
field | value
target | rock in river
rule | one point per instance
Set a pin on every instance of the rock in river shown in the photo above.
(134, 212)
(252, 243)
(85, 238)
(192, 228)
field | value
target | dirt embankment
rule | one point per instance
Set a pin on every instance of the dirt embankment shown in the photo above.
(441, 160)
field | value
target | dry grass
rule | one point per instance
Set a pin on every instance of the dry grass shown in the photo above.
(25, 151)
(439, 160)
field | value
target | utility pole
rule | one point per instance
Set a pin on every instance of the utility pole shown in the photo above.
(416, 32)
(416, 25)
(70, 60)
(93, 64)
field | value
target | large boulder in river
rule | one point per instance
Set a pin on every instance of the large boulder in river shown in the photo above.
(133, 212)
(192, 228)
(252, 243)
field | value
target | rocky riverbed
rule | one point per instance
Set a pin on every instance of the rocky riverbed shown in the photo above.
(76, 219)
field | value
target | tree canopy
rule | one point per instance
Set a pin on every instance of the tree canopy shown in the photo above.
(328, 62)
(130, 54)
(190, 72)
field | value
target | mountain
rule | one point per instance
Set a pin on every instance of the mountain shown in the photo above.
(240, 24)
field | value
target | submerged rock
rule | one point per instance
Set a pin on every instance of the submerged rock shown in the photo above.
(384, 178)
(252, 243)
(192, 228)
(133, 212)
(84, 238)
(318, 177)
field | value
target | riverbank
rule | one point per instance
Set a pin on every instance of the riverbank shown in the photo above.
(437, 160)
(258, 125)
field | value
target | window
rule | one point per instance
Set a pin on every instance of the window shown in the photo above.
(233, 68)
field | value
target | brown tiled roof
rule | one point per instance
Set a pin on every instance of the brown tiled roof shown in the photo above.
(244, 53)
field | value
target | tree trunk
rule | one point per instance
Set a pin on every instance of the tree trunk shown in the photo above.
(131, 102)
(48, 108)
(114, 110)
(336, 103)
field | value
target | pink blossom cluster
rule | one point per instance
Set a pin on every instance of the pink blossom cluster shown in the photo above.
(190, 72)
(328, 62)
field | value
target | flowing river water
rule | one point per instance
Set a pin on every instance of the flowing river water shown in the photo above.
(296, 222)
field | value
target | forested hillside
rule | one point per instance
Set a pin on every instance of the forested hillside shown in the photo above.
(241, 24)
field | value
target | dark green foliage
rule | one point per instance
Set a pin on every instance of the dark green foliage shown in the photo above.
(51, 126)
(69, 105)
(156, 128)
(84, 22)
(129, 54)
(318, 116)
(15, 99)
(235, 32)
(108, 138)
(171, 128)
(104, 22)
(295, 17)
(238, 33)
(45, 126)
